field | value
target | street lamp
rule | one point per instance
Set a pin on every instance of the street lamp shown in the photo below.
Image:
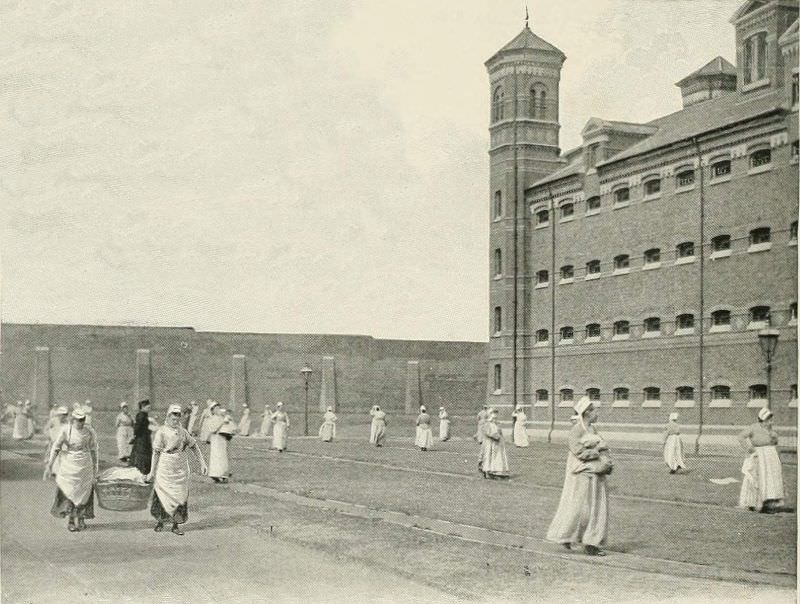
(768, 339)
(306, 372)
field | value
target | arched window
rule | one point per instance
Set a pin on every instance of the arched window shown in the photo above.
(720, 393)
(755, 58)
(567, 334)
(760, 157)
(592, 205)
(542, 396)
(537, 103)
(542, 217)
(622, 330)
(621, 394)
(497, 211)
(498, 378)
(684, 324)
(758, 392)
(593, 394)
(567, 211)
(684, 393)
(652, 394)
(759, 240)
(652, 257)
(793, 231)
(593, 267)
(685, 249)
(652, 187)
(497, 104)
(498, 262)
(498, 319)
(566, 395)
(684, 178)
(622, 263)
(720, 169)
(721, 320)
(593, 331)
(542, 277)
(652, 326)
(622, 195)
(567, 272)
(720, 243)
(759, 317)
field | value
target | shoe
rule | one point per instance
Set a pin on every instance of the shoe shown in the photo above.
(567, 546)
(81, 524)
(72, 528)
(592, 550)
(158, 527)
(176, 529)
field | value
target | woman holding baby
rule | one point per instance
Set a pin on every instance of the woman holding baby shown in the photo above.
(582, 515)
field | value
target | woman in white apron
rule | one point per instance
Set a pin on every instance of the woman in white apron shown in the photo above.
(424, 438)
(170, 470)
(205, 417)
(78, 467)
(327, 431)
(673, 447)
(520, 427)
(266, 422)
(444, 425)
(218, 464)
(124, 424)
(280, 429)
(762, 481)
(481, 433)
(244, 422)
(494, 459)
(191, 427)
(377, 434)
(23, 422)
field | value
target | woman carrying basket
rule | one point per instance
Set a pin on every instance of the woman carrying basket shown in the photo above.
(170, 470)
(78, 460)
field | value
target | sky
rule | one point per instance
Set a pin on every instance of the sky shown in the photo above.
(289, 166)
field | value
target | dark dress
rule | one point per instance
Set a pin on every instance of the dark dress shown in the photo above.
(142, 451)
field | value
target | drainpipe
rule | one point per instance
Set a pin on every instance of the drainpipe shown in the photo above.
(701, 351)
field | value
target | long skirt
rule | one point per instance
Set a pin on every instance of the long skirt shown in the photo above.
(762, 479)
(480, 435)
(142, 453)
(124, 436)
(494, 460)
(23, 427)
(444, 429)
(424, 439)
(279, 436)
(582, 515)
(244, 426)
(74, 485)
(327, 432)
(218, 466)
(171, 487)
(266, 427)
(373, 430)
(673, 452)
(520, 434)
(380, 433)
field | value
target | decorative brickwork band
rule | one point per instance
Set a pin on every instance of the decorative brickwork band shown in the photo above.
(413, 387)
(143, 376)
(41, 379)
(238, 382)
(327, 393)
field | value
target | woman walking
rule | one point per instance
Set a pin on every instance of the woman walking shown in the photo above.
(673, 447)
(494, 460)
(124, 425)
(280, 428)
(78, 466)
(266, 422)
(424, 437)
(520, 430)
(142, 450)
(482, 415)
(170, 470)
(444, 425)
(23, 422)
(327, 431)
(762, 483)
(244, 422)
(377, 434)
(220, 432)
(582, 514)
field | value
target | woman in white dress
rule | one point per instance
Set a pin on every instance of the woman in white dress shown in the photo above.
(582, 514)
(220, 432)
(673, 447)
(124, 425)
(244, 422)
(762, 482)
(327, 431)
(205, 418)
(520, 427)
(280, 428)
(170, 470)
(482, 415)
(424, 438)
(54, 427)
(76, 446)
(23, 422)
(266, 422)
(377, 434)
(494, 460)
(444, 425)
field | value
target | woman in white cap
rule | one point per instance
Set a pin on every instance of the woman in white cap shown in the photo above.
(79, 459)
(124, 425)
(23, 422)
(220, 432)
(266, 422)
(280, 428)
(483, 414)
(762, 483)
(205, 417)
(327, 431)
(87, 409)
(170, 470)
(673, 447)
(444, 425)
(494, 459)
(377, 434)
(54, 427)
(582, 515)
(424, 438)
(244, 422)
(520, 430)
(194, 414)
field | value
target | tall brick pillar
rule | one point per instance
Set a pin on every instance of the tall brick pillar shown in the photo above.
(413, 387)
(327, 392)
(41, 379)
(238, 382)
(143, 376)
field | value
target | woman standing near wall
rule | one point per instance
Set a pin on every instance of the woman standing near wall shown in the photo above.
(424, 438)
(762, 483)
(205, 418)
(327, 431)
(494, 460)
(673, 447)
(78, 467)
(482, 415)
(280, 429)
(23, 422)
(377, 434)
(444, 425)
(194, 414)
(124, 425)
(244, 422)
(582, 514)
(142, 451)
(520, 427)
(266, 422)
(221, 431)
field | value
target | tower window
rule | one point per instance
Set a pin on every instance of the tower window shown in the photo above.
(685, 179)
(498, 262)
(593, 331)
(793, 312)
(567, 211)
(537, 108)
(755, 58)
(497, 211)
(795, 90)
(498, 319)
(498, 378)
(622, 195)
(762, 157)
(497, 104)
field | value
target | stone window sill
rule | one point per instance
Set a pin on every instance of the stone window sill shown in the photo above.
(652, 197)
(684, 189)
(542, 225)
(685, 331)
(760, 169)
(651, 266)
(498, 391)
(497, 219)
(541, 344)
(793, 242)
(541, 404)
(567, 281)
(685, 260)
(567, 219)
(621, 271)
(651, 404)
(757, 325)
(566, 342)
(621, 204)
(755, 85)
(541, 285)
(592, 340)
(760, 247)
(591, 276)
(620, 404)
(792, 322)
(592, 212)
(566, 403)
(720, 254)
(719, 328)
(497, 277)
(793, 403)
(720, 179)
(651, 334)
(620, 337)
(720, 403)
(757, 403)
(684, 404)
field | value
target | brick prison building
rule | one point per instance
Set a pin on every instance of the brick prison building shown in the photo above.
(645, 262)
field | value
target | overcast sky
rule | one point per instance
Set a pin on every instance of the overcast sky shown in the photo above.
(289, 166)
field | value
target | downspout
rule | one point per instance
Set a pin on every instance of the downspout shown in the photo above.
(552, 211)
(701, 351)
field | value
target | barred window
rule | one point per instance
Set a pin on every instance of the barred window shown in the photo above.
(760, 235)
(685, 321)
(652, 393)
(498, 319)
(593, 267)
(652, 187)
(720, 318)
(566, 394)
(567, 210)
(762, 157)
(685, 249)
(720, 169)
(593, 394)
(685, 178)
(542, 395)
(720, 393)
(684, 393)
(567, 271)
(621, 394)
(567, 333)
(652, 256)
(593, 330)
(652, 325)
(758, 392)
(622, 195)
(593, 203)
(622, 261)
(622, 328)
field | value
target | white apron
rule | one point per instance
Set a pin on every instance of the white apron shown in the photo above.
(171, 482)
(75, 475)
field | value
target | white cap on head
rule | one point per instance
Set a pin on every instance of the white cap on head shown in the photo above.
(764, 414)
(62, 410)
(582, 405)
(123, 404)
(673, 417)
(279, 404)
(422, 409)
(213, 404)
(174, 408)
(78, 414)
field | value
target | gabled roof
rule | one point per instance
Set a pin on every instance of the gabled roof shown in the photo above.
(716, 66)
(574, 166)
(790, 34)
(527, 39)
(598, 124)
(698, 119)
(748, 7)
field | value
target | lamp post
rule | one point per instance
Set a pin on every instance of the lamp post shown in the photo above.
(306, 372)
(768, 339)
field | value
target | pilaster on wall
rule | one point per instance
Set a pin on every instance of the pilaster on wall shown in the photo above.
(144, 374)
(238, 382)
(327, 393)
(413, 387)
(41, 379)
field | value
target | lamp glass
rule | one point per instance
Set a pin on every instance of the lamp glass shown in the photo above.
(768, 339)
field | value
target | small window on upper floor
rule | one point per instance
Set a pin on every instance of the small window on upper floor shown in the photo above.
(542, 217)
(566, 394)
(684, 252)
(759, 317)
(759, 240)
(498, 319)
(652, 187)
(684, 393)
(652, 258)
(542, 396)
(497, 104)
(652, 326)
(498, 378)
(795, 90)
(720, 246)
(684, 179)
(758, 392)
(720, 393)
(567, 210)
(592, 269)
(622, 195)
(720, 169)
(567, 334)
(652, 395)
(793, 232)
(760, 157)
(621, 394)
(720, 320)
(567, 272)
(498, 262)
(593, 394)
(542, 336)
(497, 211)
(755, 58)
(622, 330)
(684, 323)
(542, 277)
(592, 205)
(593, 331)
(793, 313)
(622, 263)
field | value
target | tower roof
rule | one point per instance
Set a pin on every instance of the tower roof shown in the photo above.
(716, 66)
(527, 39)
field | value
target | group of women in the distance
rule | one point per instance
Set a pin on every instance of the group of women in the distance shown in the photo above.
(160, 453)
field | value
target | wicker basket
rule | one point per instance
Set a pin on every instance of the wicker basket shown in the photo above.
(123, 495)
